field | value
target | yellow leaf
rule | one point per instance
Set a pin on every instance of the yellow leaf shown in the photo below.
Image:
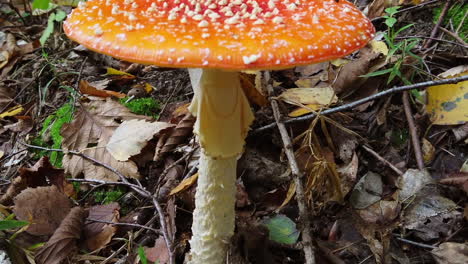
(319, 96)
(148, 88)
(448, 103)
(428, 151)
(112, 71)
(379, 47)
(249, 87)
(304, 110)
(12, 111)
(185, 184)
(339, 62)
(289, 195)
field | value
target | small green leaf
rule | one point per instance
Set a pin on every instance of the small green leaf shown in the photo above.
(48, 30)
(142, 255)
(390, 22)
(11, 224)
(41, 4)
(60, 15)
(392, 10)
(377, 73)
(282, 229)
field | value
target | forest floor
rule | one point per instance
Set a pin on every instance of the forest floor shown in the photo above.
(383, 159)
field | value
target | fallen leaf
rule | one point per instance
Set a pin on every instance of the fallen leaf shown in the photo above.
(430, 216)
(89, 133)
(367, 191)
(451, 253)
(15, 110)
(112, 71)
(282, 229)
(348, 77)
(6, 97)
(249, 86)
(44, 207)
(174, 137)
(428, 151)
(289, 195)
(87, 88)
(348, 173)
(185, 184)
(304, 110)
(448, 104)
(305, 96)
(158, 253)
(63, 242)
(33, 177)
(132, 136)
(99, 234)
(411, 182)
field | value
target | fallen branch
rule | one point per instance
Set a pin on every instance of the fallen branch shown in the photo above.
(298, 177)
(137, 188)
(413, 131)
(365, 100)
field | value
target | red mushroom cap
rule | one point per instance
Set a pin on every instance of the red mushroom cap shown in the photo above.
(225, 34)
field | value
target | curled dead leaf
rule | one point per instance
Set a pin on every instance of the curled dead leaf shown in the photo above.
(63, 242)
(99, 234)
(45, 207)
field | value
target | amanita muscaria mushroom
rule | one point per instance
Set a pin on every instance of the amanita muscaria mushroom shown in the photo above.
(221, 37)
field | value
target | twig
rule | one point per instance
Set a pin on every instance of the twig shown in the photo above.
(455, 36)
(136, 188)
(388, 163)
(415, 243)
(115, 253)
(439, 22)
(413, 131)
(436, 39)
(365, 100)
(297, 175)
(126, 224)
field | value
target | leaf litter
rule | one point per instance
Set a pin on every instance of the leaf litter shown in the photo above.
(361, 208)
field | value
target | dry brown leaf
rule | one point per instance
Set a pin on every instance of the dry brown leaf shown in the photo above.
(159, 252)
(32, 178)
(176, 136)
(63, 242)
(347, 76)
(249, 87)
(318, 96)
(87, 88)
(451, 253)
(99, 234)
(132, 136)
(185, 184)
(6, 97)
(46, 207)
(89, 133)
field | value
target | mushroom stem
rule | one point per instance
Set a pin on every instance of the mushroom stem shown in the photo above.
(223, 120)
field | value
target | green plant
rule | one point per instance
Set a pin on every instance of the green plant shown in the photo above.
(398, 51)
(108, 196)
(143, 106)
(58, 16)
(456, 17)
(51, 129)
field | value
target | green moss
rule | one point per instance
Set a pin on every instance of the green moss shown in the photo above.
(143, 106)
(51, 127)
(455, 15)
(109, 196)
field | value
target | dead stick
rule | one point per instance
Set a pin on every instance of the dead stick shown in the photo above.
(364, 100)
(439, 22)
(297, 175)
(413, 131)
(375, 154)
(455, 36)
